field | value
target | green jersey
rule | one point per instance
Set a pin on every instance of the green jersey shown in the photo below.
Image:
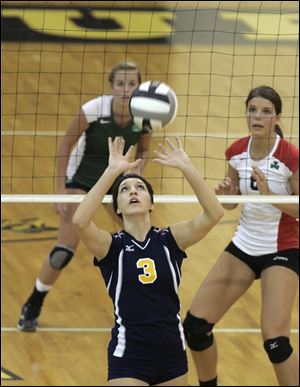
(89, 158)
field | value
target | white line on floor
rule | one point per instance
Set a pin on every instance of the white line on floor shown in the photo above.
(104, 330)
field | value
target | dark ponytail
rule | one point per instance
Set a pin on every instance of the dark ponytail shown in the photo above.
(278, 131)
(270, 94)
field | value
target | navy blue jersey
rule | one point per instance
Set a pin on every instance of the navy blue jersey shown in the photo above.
(142, 279)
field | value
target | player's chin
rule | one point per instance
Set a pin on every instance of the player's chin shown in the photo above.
(259, 132)
(125, 99)
(135, 210)
(122, 100)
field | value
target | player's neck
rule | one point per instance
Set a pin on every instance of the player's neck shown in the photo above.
(138, 226)
(261, 147)
(121, 113)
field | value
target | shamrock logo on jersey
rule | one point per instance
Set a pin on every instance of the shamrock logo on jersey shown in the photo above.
(275, 164)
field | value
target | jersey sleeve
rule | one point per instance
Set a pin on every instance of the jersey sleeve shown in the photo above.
(92, 109)
(235, 150)
(107, 263)
(288, 154)
(176, 252)
(97, 107)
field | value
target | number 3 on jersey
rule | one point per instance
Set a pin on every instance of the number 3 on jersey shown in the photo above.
(148, 265)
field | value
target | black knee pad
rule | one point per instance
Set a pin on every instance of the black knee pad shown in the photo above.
(197, 332)
(60, 256)
(278, 349)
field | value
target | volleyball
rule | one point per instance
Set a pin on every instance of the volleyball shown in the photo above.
(153, 105)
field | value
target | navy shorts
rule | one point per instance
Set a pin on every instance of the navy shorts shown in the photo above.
(286, 258)
(149, 370)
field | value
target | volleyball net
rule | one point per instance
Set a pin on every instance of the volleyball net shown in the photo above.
(57, 55)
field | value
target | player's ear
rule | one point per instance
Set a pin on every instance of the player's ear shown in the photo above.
(151, 207)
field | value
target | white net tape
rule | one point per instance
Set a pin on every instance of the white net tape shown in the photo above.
(157, 199)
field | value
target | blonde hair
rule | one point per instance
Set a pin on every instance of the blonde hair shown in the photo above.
(124, 66)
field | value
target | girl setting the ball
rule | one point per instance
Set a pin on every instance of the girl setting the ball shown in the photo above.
(82, 157)
(141, 267)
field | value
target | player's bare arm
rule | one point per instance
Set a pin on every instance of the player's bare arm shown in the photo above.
(98, 241)
(190, 232)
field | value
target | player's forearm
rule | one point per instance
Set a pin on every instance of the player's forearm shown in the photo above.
(204, 193)
(63, 155)
(144, 156)
(291, 209)
(90, 204)
(143, 151)
(229, 206)
(61, 175)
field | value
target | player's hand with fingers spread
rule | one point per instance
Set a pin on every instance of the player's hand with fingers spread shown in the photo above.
(117, 160)
(261, 181)
(175, 157)
(226, 187)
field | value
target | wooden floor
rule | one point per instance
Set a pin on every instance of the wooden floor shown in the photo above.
(43, 85)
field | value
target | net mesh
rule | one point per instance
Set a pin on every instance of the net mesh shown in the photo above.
(57, 56)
